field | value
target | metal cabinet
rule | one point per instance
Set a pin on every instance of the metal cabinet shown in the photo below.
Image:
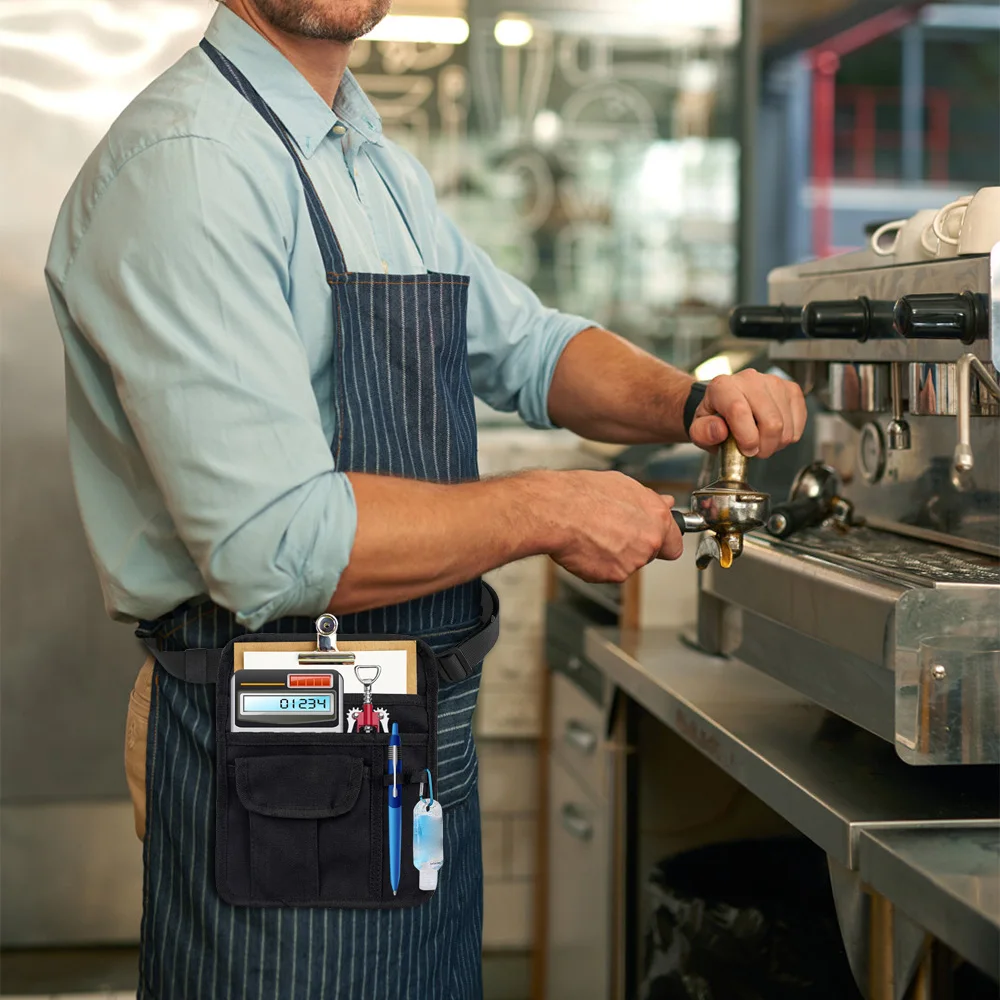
(578, 965)
(582, 904)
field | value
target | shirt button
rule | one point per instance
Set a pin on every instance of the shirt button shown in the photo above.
(339, 129)
(385, 267)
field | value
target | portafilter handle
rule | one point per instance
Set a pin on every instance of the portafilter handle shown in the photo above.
(688, 520)
(793, 515)
(809, 501)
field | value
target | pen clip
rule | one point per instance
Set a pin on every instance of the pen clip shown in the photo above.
(395, 760)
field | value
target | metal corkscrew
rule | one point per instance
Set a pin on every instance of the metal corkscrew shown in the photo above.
(367, 719)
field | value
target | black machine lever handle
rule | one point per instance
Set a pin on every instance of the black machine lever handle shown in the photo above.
(934, 316)
(765, 322)
(848, 319)
(942, 316)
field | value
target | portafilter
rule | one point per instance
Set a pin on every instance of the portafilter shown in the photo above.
(725, 509)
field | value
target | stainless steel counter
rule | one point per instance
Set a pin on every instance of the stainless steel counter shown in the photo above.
(950, 877)
(841, 786)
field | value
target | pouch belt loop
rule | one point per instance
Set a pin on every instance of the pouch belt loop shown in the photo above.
(194, 666)
(459, 662)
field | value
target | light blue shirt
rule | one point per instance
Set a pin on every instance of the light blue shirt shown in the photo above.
(198, 325)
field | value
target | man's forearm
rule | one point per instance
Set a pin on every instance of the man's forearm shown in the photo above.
(416, 538)
(606, 389)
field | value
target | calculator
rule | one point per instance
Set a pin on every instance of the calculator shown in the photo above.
(292, 701)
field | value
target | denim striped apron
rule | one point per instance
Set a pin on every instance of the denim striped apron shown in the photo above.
(404, 407)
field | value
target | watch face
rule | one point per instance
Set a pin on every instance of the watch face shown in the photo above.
(871, 453)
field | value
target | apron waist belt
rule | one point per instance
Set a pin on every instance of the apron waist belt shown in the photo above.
(201, 666)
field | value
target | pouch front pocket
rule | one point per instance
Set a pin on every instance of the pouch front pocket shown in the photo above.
(310, 826)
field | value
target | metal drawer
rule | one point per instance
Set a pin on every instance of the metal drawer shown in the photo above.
(580, 671)
(577, 733)
(578, 963)
(564, 629)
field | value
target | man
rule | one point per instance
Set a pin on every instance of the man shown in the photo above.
(272, 339)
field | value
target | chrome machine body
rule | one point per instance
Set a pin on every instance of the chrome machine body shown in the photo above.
(875, 589)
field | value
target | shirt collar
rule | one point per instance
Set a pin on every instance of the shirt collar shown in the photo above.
(303, 112)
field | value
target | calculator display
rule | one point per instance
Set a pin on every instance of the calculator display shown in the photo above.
(266, 704)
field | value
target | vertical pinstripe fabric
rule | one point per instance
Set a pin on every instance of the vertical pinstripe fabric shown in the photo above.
(405, 407)
(195, 946)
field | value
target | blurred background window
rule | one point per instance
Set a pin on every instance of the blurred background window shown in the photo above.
(868, 112)
(590, 148)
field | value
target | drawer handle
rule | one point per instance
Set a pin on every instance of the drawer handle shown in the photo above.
(574, 663)
(578, 735)
(576, 823)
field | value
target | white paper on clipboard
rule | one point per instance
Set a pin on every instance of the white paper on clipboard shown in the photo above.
(393, 662)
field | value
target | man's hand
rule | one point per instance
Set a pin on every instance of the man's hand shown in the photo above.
(764, 412)
(607, 525)
(415, 538)
(607, 389)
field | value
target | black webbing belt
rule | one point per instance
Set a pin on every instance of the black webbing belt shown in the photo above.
(201, 666)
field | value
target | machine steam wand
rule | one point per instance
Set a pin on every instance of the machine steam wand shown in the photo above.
(966, 366)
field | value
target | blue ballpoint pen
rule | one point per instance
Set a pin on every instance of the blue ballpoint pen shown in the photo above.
(395, 808)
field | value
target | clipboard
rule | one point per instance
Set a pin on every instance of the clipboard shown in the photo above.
(399, 670)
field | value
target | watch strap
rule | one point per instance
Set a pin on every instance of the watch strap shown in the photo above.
(695, 396)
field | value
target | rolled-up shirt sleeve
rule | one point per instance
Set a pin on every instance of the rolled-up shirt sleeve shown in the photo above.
(515, 342)
(212, 376)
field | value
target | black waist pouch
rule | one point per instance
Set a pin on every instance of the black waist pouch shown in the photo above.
(302, 818)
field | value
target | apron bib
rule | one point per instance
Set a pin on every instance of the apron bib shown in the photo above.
(404, 407)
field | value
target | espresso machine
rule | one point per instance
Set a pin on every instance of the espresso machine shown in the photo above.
(873, 588)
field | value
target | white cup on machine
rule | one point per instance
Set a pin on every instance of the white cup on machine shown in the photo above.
(910, 240)
(970, 225)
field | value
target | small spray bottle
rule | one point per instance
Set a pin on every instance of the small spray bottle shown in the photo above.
(428, 837)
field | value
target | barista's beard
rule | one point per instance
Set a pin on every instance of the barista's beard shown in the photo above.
(327, 19)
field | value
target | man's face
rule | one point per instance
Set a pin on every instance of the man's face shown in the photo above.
(335, 20)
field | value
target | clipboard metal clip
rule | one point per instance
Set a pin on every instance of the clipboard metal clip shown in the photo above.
(326, 651)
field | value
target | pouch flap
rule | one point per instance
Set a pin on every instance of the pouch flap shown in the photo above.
(313, 786)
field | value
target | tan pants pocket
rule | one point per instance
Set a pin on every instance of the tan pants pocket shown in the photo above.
(136, 729)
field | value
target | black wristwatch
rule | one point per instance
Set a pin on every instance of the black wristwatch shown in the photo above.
(695, 396)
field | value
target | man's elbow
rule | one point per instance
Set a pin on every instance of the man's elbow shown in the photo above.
(285, 562)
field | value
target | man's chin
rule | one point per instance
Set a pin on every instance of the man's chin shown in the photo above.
(324, 19)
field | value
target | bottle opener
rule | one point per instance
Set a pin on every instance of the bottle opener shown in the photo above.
(367, 719)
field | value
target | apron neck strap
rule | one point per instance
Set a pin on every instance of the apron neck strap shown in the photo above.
(329, 246)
